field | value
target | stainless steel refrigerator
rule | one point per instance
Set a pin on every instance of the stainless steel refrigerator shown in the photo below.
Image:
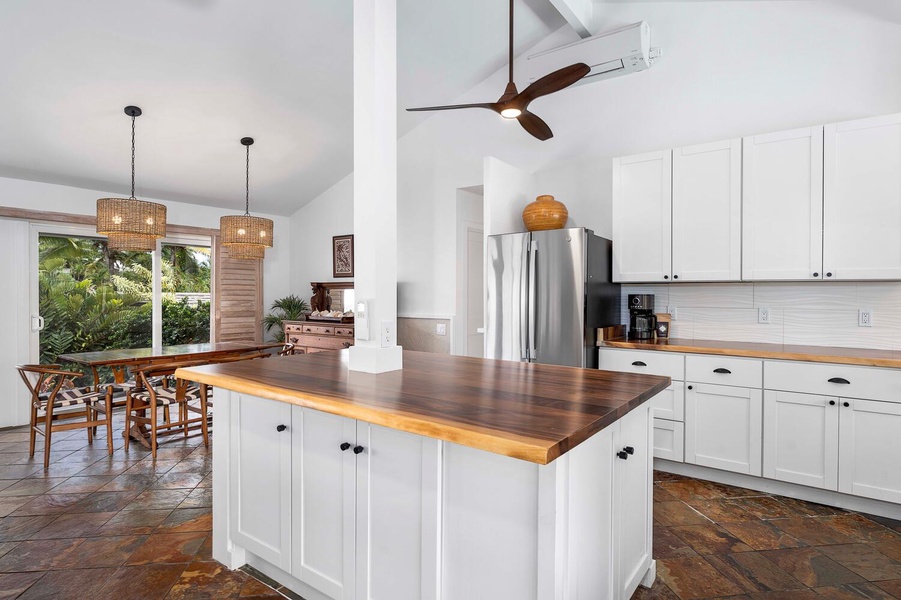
(548, 292)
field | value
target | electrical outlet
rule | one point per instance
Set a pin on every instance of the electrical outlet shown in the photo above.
(387, 334)
(671, 310)
(763, 316)
(865, 317)
(441, 329)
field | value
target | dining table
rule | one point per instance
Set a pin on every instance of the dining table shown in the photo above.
(119, 360)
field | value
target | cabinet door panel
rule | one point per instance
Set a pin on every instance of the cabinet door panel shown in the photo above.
(782, 205)
(800, 439)
(669, 440)
(862, 199)
(323, 481)
(642, 217)
(670, 403)
(396, 489)
(869, 447)
(260, 472)
(632, 501)
(723, 427)
(707, 212)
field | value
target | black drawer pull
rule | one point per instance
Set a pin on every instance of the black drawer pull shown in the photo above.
(832, 403)
(281, 428)
(691, 387)
(839, 380)
(723, 371)
(622, 454)
(358, 449)
(344, 446)
(639, 363)
(629, 450)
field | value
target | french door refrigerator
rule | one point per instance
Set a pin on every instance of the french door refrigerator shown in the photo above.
(548, 292)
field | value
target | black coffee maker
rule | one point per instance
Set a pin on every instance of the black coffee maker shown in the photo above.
(642, 320)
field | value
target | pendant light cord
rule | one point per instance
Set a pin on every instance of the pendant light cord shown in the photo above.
(247, 186)
(511, 42)
(133, 157)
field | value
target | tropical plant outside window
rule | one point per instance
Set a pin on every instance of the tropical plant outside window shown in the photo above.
(94, 299)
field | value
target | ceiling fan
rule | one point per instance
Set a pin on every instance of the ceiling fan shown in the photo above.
(514, 104)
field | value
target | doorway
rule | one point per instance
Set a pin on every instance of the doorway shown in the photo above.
(469, 335)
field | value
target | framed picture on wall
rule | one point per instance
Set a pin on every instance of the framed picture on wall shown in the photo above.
(343, 256)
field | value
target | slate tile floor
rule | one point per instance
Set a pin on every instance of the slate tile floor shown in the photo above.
(717, 541)
(119, 528)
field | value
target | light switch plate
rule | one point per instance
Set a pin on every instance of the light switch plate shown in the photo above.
(441, 329)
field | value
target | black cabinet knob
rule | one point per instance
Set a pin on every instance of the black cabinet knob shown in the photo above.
(691, 387)
(639, 363)
(675, 277)
(666, 276)
(832, 403)
(629, 450)
(723, 371)
(358, 449)
(816, 274)
(622, 454)
(345, 446)
(828, 274)
(839, 380)
(281, 428)
(846, 404)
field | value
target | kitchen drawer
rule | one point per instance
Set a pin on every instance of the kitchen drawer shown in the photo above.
(293, 327)
(870, 383)
(669, 440)
(319, 329)
(315, 350)
(344, 331)
(724, 370)
(670, 403)
(665, 364)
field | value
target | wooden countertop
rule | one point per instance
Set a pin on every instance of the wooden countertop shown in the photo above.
(527, 411)
(828, 354)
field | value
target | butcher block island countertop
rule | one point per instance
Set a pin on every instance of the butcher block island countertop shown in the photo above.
(531, 412)
(845, 356)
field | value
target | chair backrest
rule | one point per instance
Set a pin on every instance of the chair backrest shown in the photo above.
(40, 377)
(287, 349)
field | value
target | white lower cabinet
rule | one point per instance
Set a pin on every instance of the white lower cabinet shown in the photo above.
(800, 438)
(260, 459)
(347, 510)
(868, 449)
(723, 427)
(669, 440)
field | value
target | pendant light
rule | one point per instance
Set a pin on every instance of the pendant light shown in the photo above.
(246, 236)
(129, 223)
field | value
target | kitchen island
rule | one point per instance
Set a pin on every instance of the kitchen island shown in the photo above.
(455, 478)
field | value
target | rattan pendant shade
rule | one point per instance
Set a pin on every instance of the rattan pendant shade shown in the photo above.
(245, 236)
(129, 223)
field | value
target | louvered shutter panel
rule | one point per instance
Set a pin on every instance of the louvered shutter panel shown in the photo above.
(238, 297)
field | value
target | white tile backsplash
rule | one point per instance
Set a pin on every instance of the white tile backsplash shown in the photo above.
(813, 313)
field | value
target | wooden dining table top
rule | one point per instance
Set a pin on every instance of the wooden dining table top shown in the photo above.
(528, 411)
(130, 355)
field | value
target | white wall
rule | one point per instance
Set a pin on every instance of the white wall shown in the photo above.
(330, 214)
(32, 195)
(729, 69)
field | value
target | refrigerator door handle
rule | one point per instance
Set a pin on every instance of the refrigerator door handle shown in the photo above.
(524, 310)
(533, 298)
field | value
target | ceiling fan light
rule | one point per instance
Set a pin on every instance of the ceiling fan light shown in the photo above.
(510, 113)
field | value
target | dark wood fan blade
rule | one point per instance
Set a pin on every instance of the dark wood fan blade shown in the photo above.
(552, 82)
(534, 125)
(489, 105)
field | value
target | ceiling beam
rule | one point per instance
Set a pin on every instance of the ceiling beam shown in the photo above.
(578, 13)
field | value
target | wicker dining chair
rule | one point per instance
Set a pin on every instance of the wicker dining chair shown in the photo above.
(45, 384)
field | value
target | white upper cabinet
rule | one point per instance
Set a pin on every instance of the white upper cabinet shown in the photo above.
(782, 189)
(707, 212)
(862, 192)
(642, 217)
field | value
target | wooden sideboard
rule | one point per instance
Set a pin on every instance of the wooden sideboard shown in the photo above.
(312, 336)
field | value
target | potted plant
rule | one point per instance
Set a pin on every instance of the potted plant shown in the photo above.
(289, 308)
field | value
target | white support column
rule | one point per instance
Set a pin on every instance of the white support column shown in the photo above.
(375, 186)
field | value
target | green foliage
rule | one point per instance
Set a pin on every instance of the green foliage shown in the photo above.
(185, 324)
(289, 308)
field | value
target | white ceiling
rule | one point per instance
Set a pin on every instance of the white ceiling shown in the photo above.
(208, 72)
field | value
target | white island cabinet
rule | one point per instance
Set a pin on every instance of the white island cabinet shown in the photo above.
(414, 517)
(428, 485)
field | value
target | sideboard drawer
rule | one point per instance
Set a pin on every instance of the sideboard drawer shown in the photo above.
(319, 329)
(721, 370)
(646, 362)
(293, 327)
(344, 331)
(846, 381)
